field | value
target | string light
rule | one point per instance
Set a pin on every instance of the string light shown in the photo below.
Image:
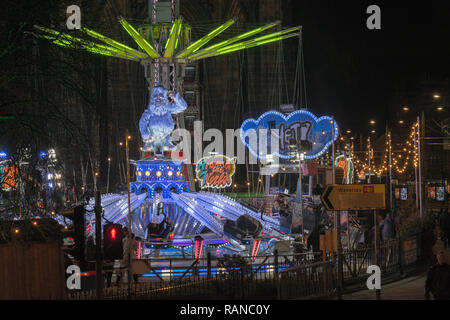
(408, 154)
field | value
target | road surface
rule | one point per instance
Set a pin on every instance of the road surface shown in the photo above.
(411, 288)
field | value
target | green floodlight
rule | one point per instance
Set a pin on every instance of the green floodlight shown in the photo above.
(141, 42)
(204, 40)
(233, 40)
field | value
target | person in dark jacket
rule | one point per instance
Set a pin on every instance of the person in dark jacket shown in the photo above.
(438, 279)
(313, 241)
(387, 228)
(444, 225)
(90, 249)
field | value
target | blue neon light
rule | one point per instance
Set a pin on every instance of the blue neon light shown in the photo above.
(152, 175)
(316, 130)
(3, 155)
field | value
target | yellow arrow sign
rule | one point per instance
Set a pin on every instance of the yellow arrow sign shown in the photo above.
(354, 197)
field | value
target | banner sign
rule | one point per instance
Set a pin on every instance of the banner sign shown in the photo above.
(301, 125)
(215, 171)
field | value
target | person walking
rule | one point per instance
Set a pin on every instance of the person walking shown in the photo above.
(444, 225)
(387, 228)
(90, 249)
(130, 245)
(438, 279)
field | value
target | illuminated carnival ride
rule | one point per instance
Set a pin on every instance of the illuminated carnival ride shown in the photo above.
(165, 215)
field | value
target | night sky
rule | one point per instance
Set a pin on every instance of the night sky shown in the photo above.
(352, 72)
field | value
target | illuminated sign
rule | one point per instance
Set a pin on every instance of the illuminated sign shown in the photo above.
(432, 193)
(8, 176)
(404, 194)
(345, 164)
(215, 171)
(440, 193)
(299, 125)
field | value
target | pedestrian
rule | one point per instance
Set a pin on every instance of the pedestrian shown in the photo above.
(387, 228)
(313, 242)
(438, 279)
(130, 245)
(90, 249)
(444, 225)
(398, 224)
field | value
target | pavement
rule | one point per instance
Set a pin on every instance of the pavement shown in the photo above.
(411, 288)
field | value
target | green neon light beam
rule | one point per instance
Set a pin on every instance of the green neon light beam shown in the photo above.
(204, 40)
(233, 40)
(242, 47)
(96, 51)
(245, 44)
(178, 35)
(68, 41)
(139, 40)
(173, 39)
(114, 43)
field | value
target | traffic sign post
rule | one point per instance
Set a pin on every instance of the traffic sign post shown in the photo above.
(354, 197)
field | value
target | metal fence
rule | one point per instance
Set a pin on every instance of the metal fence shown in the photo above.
(394, 256)
(278, 276)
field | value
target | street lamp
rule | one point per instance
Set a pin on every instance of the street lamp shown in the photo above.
(372, 122)
(128, 137)
(405, 109)
(300, 148)
(107, 181)
(436, 96)
(440, 108)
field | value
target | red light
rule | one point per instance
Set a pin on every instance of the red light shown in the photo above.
(113, 233)
(262, 232)
(171, 236)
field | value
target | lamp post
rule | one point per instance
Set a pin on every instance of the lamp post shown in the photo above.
(370, 158)
(300, 185)
(419, 151)
(107, 181)
(299, 149)
(127, 137)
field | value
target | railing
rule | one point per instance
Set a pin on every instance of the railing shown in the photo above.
(277, 276)
(394, 256)
(314, 281)
(266, 281)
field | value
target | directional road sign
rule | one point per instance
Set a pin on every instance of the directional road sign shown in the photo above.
(354, 197)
